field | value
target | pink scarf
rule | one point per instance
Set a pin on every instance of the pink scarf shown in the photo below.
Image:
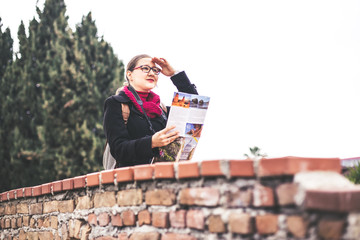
(151, 102)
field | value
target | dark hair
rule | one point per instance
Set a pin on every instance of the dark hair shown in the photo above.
(132, 63)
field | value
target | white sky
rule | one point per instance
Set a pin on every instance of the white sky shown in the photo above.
(282, 75)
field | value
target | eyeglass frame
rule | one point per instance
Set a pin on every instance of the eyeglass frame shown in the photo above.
(151, 68)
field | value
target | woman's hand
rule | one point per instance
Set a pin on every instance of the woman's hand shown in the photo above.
(164, 137)
(167, 69)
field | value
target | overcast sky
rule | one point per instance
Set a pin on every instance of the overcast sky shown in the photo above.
(282, 75)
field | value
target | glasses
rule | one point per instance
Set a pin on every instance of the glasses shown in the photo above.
(146, 69)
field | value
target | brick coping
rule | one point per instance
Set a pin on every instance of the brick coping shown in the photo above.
(227, 168)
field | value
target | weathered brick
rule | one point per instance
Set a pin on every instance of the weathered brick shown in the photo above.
(46, 222)
(330, 228)
(297, 226)
(7, 223)
(103, 219)
(85, 232)
(128, 218)
(64, 231)
(22, 235)
(263, 196)
(77, 228)
(116, 220)
(84, 202)
(177, 218)
(240, 223)
(45, 235)
(52, 206)
(19, 222)
(32, 223)
(32, 235)
(267, 224)
(129, 197)
(22, 208)
(106, 199)
(92, 219)
(144, 217)
(145, 236)
(195, 219)
(216, 224)
(13, 223)
(71, 228)
(26, 221)
(39, 222)
(160, 219)
(2, 209)
(241, 198)
(66, 206)
(2, 223)
(286, 193)
(106, 238)
(54, 222)
(36, 208)
(176, 236)
(160, 197)
(123, 236)
(200, 196)
(10, 209)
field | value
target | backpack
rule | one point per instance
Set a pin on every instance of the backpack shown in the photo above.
(109, 161)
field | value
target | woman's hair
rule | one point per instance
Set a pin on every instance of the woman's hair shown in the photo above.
(132, 63)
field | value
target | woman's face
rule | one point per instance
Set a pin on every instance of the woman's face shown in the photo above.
(141, 81)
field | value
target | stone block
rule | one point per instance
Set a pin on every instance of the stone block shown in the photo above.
(160, 219)
(51, 206)
(240, 223)
(164, 197)
(129, 197)
(66, 206)
(144, 218)
(22, 208)
(54, 222)
(145, 236)
(36, 208)
(128, 218)
(106, 199)
(263, 196)
(241, 198)
(216, 224)
(195, 219)
(297, 226)
(286, 193)
(177, 218)
(200, 196)
(103, 219)
(177, 236)
(267, 224)
(84, 202)
(330, 228)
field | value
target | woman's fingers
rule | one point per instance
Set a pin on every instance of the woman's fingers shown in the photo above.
(164, 137)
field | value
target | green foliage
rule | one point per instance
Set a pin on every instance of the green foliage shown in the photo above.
(52, 98)
(255, 153)
(354, 174)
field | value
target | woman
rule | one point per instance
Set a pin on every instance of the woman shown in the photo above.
(135, 143)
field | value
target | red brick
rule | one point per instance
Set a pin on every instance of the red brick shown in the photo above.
(143, 172)
(92, 219)
(267, 224)
(46, 188)
(164, 197)
(216, 224)
(107, 176)
(160, 219)
(188, 170)
(124, 174)
(263, 196)
(92, 179)
(297, 226)
(200, 196)
(103, 219)
(241, 198)
(286, 193)
(20, 193)
(177, 218)
(79, 182)
(68, 184)
(129, 197)
(176, 236)
(344, 200)
(57, 186)
(36, 191)
(11, 194)
(211, 168)
(293, 165)
(144, 217)
(330, 228)
(116, 220)
(195, 219)
(128, 218)
(242, 168)
(145, 236)
(28, 192)
(3, 196)
(240, 223)
(164, 170)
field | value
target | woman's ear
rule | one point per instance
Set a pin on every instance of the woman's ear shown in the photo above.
(128, 74)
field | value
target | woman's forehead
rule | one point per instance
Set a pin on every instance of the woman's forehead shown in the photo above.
(146, 61)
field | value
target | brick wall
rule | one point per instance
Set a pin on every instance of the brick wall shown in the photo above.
(278, 198)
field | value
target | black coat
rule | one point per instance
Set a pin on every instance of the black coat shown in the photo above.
(131, 144)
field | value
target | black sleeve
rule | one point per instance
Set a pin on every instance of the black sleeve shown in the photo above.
(125, 150)
(183, 84)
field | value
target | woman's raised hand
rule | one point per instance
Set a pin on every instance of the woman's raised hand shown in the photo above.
(164, 137)
(167, 69)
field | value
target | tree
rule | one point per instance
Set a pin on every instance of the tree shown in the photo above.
(255, 153)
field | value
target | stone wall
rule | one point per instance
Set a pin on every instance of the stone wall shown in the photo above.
(278, 198)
